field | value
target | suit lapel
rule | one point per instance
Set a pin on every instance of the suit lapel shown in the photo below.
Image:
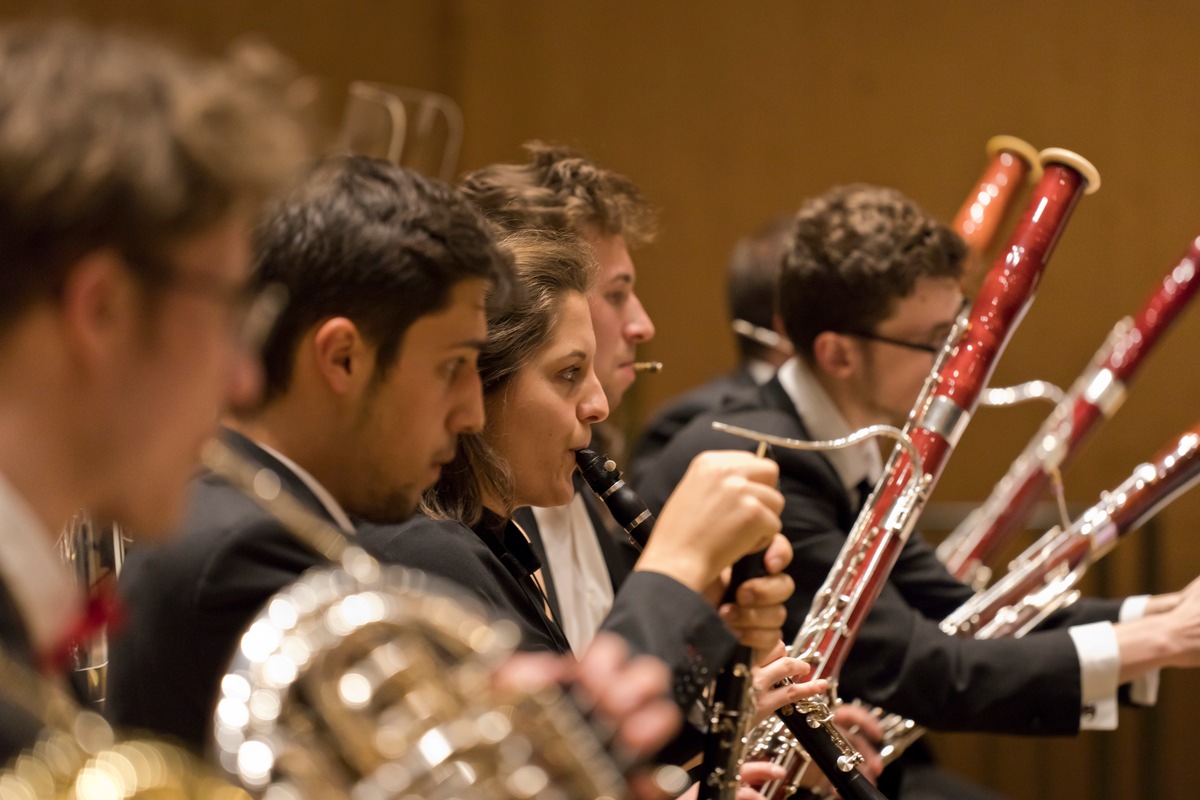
(528, 522)
(289, 480)
(14, 636)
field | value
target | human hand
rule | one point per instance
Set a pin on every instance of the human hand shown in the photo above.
(626, 699)
(1168, 636)
(753, 775)
(862, 729)
(725, 507)
(777, 666)
(758, 612)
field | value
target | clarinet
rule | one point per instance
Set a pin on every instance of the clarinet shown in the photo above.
(810, 720)
(627, 508)
(732, 705)
(1096, 395)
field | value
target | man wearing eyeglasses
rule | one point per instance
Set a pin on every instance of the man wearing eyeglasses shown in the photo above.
(868, 293)
(125, 206)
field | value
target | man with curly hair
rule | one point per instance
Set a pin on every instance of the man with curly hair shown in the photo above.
(868, 292)
(562, 190)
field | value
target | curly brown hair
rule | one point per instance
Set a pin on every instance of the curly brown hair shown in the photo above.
(854, 251)
(561, 189)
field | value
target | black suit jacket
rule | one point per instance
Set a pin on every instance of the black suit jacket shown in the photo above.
(678, 412)
(18, 729)
(619, 555)
(190, 599)
(901, 660)
(655, 614)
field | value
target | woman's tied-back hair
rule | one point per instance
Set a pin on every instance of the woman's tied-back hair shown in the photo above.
(549, 266)
(560, 189)
(854, 251)
(110, 140)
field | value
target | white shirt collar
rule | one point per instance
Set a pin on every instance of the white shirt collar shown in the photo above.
(760, 371)
(824, 420)
(47, 598)
(332, 506)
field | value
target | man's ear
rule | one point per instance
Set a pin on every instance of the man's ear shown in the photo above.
(836, 354)
(99, 309)
(343, 358)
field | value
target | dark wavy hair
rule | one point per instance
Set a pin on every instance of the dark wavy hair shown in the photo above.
(549, 266)
(373, 242)
(854, 251)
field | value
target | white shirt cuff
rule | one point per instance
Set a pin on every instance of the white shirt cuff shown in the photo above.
(1143, 691)
(1099, 668)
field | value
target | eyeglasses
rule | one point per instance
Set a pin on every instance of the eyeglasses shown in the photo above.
(875, 337)
(252, 310)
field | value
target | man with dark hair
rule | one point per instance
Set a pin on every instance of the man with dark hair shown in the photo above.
(585, 560)
(370, 378)
(758, 334)
(129, 176)
(868, 293)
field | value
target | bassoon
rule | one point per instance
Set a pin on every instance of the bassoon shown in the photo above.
(937, 422)
(1010, 162)
(1095, 396)
(1046, 576)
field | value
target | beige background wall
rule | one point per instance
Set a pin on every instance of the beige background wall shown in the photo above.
(728, 113)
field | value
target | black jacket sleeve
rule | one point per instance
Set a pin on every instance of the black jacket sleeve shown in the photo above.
(661, 617)
(453, 551)
(188, 602)
(901, 659)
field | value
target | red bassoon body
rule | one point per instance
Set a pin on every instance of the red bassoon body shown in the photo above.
(1045, 577)
(934, 427)
(1011, 161)
(1095, 396)
(941, 415)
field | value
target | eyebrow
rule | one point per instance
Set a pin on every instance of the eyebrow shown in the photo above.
(624, 277)
(471, 344)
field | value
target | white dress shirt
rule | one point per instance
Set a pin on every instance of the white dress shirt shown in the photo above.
(1095, 644)
(47, 598)
(581, 581)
